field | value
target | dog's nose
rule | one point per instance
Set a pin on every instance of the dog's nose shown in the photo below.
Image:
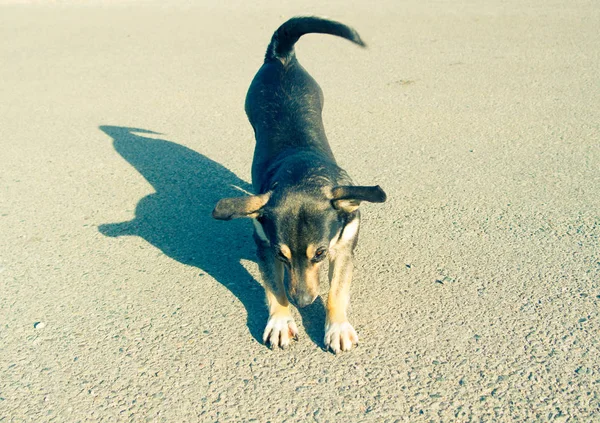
(304, 300)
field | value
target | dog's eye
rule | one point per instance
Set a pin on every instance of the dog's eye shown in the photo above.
(281, 257)
(320, 254)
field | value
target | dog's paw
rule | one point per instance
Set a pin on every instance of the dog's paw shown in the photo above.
(340, 337)
(280, 330)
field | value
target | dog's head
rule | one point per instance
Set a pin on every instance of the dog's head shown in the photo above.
(302, 227)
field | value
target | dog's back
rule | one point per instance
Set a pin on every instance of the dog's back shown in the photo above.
(284, 102)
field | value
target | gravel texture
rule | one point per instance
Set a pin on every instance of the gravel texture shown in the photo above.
(477, 285)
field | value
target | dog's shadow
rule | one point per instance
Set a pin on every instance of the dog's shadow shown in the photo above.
(177, 220)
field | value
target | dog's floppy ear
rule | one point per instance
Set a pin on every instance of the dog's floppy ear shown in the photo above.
(348, 198)
(231, 208)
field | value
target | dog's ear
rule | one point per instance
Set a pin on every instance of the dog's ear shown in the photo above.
(231, 208)
(348, 198)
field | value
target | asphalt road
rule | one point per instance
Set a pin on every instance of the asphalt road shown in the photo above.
(477, 285)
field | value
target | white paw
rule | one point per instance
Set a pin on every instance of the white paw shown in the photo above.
(340, 337)
(280, 330)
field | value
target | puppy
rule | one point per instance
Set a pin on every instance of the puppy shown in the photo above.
(306, 207)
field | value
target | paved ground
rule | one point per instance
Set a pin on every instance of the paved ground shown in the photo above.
(477, 288)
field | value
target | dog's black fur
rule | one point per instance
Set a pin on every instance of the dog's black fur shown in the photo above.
(306, 207)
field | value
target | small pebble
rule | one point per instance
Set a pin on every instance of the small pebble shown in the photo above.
(39, 325)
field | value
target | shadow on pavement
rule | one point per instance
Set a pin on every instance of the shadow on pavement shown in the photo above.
(177, 220)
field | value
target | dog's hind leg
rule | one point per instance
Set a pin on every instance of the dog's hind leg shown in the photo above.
(281, 327)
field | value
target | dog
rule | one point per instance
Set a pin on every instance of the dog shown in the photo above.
(306, 208)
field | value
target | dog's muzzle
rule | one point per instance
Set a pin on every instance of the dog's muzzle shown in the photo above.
(303, 299)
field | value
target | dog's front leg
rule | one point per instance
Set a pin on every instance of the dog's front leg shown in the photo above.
(281, 327)
(339, 333)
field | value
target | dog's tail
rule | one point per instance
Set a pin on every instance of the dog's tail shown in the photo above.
(283, 40)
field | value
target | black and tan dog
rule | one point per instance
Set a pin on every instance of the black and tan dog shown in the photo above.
(306, 207)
